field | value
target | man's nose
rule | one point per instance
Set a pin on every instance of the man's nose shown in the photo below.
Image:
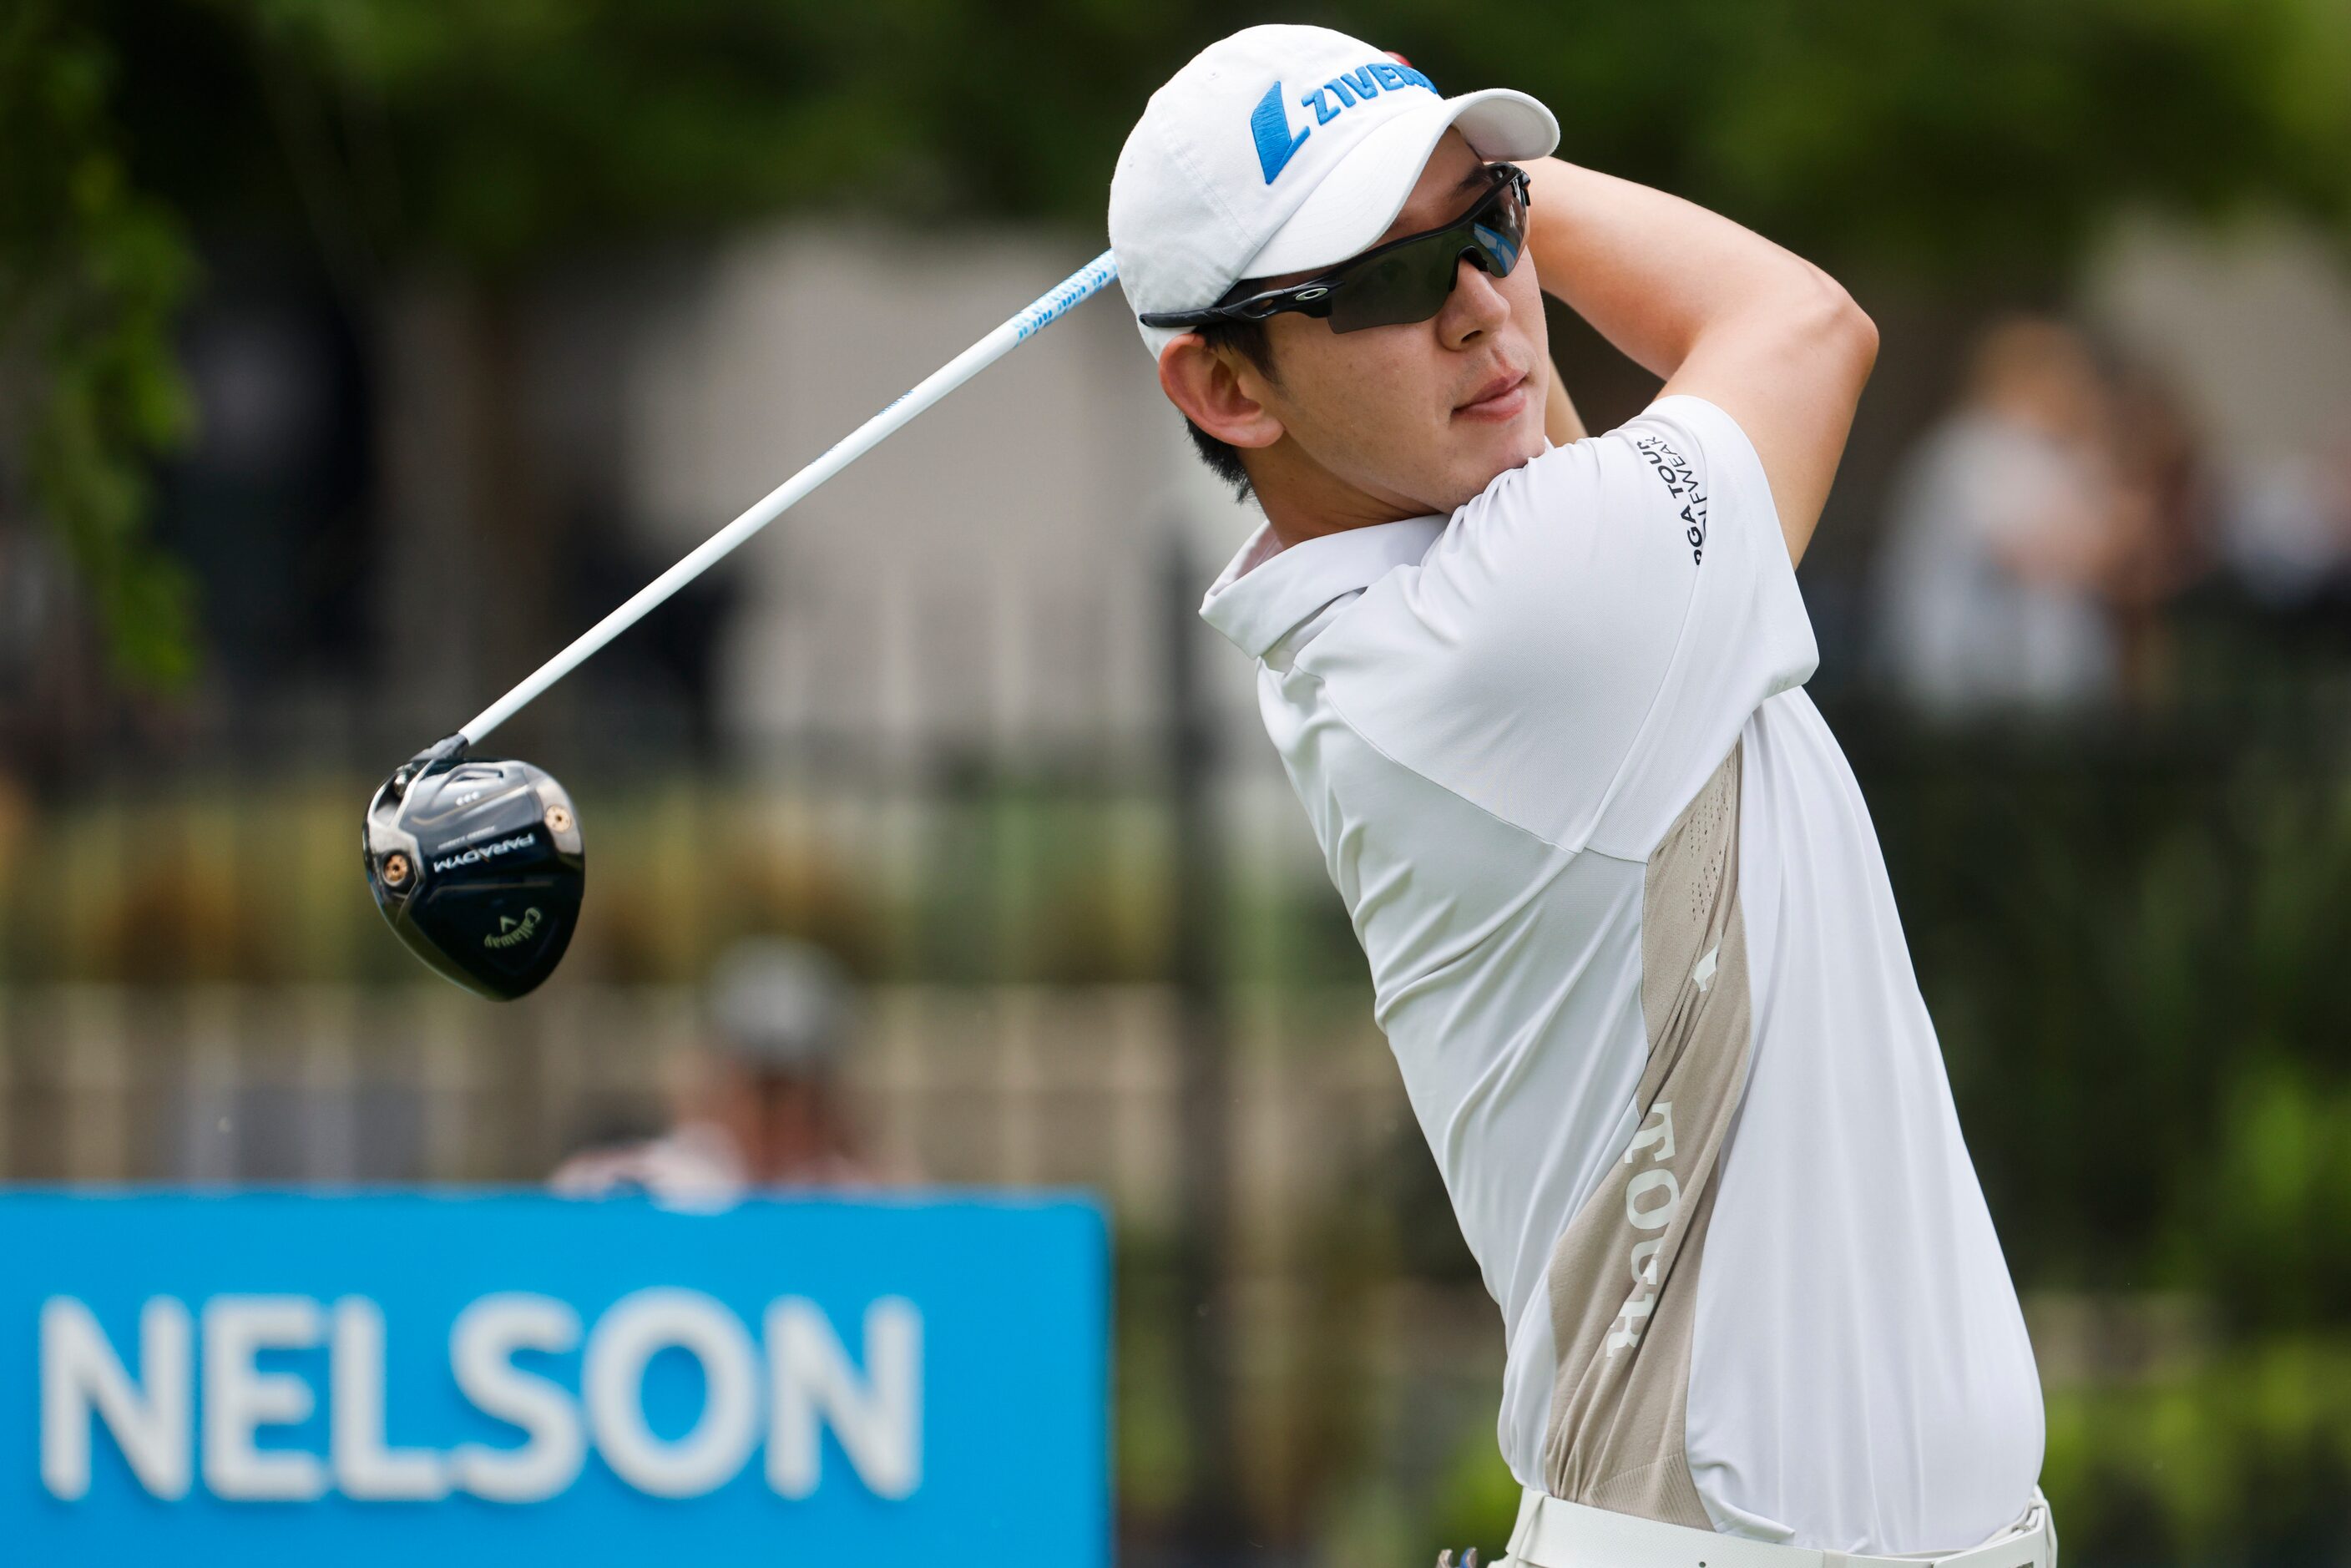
(1476, 307)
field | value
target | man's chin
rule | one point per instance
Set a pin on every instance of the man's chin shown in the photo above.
(1501, 452)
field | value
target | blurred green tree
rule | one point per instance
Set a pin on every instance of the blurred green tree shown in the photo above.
(92, 271)
(1976, 140)
(1944, 133)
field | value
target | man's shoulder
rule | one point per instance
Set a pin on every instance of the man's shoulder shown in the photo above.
(1680, 458)
(1611, 612)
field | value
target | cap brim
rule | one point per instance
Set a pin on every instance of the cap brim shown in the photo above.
(1357, 201)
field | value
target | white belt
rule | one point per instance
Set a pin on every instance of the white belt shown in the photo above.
(1555, 1533)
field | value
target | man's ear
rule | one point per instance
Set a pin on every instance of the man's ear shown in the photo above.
(1217, 391)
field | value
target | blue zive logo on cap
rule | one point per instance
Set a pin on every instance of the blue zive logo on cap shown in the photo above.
(1269, 121)
(1270, 125)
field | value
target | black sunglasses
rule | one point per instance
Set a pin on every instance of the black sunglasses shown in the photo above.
(1405, 280)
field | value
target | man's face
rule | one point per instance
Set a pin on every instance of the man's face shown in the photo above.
(1420, 417)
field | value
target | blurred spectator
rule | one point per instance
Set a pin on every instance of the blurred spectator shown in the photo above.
(16, 818)
(766, 1112)
(2288, 534)
(2011, 528)
(2167, 516)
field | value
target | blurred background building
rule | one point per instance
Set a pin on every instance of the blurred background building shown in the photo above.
(353, 356)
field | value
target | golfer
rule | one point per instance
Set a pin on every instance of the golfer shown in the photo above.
(1630, 934)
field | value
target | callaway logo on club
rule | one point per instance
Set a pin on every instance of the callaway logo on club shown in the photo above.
(511, 931)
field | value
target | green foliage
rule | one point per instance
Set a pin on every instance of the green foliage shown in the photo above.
(1953, 135)
(1980, 140)
(2245, 1458)
(1477, 1501)
(2270, 1227)
(517, 128)
(2130, 944)
(90, 273)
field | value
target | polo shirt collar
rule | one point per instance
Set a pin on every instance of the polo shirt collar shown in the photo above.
(1268, 590)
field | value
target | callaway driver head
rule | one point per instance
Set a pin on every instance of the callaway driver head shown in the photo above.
(478, 866)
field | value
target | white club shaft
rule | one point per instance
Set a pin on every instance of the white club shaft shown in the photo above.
(1086, 281)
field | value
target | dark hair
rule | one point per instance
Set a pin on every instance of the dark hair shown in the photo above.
(1248, 339)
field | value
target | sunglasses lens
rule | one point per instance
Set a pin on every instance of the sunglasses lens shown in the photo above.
(1408, 284)
(1501, 233)
(1412, 282)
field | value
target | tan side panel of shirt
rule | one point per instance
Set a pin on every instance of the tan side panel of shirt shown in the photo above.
(1623, 1277)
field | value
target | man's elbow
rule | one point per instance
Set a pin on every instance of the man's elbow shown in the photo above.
(1814, 333)
(1839, 329)
(1861, 336)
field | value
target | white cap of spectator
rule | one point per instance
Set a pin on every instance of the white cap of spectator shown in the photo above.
(782, 1006)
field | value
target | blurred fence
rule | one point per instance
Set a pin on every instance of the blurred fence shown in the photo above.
(1019, 1085)
(2130, 931)
(194, 987)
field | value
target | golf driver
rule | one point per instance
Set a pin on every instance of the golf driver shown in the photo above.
(477, 863)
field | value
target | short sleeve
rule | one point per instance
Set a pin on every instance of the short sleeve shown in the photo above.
(1582, 645)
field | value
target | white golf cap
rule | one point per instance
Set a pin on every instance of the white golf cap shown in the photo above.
(1281, 150)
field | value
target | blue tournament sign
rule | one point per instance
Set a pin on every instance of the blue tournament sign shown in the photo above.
(261, 1378)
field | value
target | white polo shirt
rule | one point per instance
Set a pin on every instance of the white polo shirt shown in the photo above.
(1632, 941)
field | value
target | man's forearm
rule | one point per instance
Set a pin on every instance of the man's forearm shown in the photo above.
(1651, 272)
